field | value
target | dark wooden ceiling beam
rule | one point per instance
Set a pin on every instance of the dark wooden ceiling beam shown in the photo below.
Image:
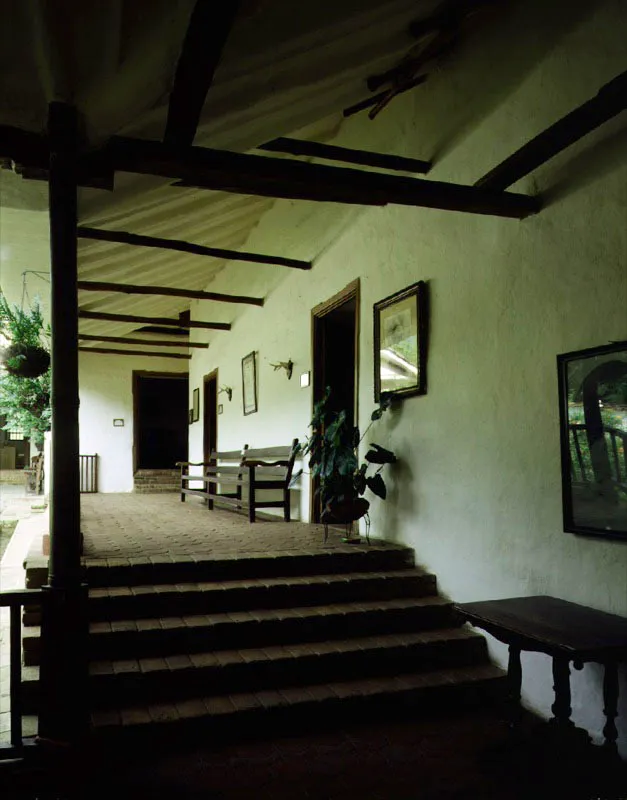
(269, 177)
(207, 32)
(122, 237)
(131, 340)
(167, 291)
(149, 353)
(610, 101)
(169, 323)
(29, 155)
(330, 152)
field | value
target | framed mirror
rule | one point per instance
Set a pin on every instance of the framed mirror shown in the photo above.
(593, 435)
(401, 327)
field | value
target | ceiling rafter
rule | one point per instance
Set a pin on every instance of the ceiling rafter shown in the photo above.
(168, 291)
(209, 27)
(149, 353)
(131, 340)
(174, 323)
(122, 237)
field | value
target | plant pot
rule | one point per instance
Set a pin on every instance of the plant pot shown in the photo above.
(25, 361)
(344, 512)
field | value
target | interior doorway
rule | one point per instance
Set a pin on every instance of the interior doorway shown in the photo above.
(210, 415)
(335, 340)
(160, 401)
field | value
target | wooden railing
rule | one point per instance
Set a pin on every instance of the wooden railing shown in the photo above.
(581, 463)
(89, 473)
(14, 600)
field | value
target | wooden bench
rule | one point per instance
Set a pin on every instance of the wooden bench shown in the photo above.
(257, 470)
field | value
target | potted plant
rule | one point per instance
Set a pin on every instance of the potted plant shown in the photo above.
(24, 356)
(333, 457)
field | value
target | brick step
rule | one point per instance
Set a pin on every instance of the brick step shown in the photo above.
(245, 715)
(114, 603)
(146, 601)
(156, 488)
(155, 473)
(166, 569)
(171, 679)
(136, 639)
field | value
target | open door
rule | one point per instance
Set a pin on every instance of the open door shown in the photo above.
(160, 428)
(210, 414)
(335, 337)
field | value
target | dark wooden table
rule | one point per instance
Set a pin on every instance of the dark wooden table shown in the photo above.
(566, 632)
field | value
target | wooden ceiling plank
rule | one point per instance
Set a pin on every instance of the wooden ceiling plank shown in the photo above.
(168, 291)
(149, 353)
(209, 26)
(122, 237)
(260, 175)
(609, 101)
(299, 147)
(169, 323)
(131, 340)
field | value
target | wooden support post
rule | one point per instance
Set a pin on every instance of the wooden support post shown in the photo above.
(63, 673)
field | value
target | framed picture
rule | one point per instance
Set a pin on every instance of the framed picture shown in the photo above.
(195, 405)
(190, 416)
(249, 383)
(401, 327)
(593, 437)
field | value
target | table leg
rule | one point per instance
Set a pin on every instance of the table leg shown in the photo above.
(610, 707)
(514, 681)
(561, 686)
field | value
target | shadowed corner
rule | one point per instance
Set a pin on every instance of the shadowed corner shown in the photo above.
(592, 163)
(513, 39)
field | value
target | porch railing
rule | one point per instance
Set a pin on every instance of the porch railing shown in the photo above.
(89, 473)
(14, 600)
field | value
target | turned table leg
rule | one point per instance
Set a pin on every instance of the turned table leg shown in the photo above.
(514, 683)
(561, 686)
(610, 707)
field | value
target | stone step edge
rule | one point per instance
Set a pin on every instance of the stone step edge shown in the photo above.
(182, 662)
(99, 629)
(224, 706)
(283, 582)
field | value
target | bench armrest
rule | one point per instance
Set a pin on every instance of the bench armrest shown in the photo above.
(265, 463)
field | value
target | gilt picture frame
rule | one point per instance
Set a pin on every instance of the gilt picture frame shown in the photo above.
(593, 440)
(401, 328)
(195, 405)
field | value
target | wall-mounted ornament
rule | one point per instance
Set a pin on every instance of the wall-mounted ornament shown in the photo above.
(288, 366)
(220, 408)
(305, 379)
(118, 423)
(227, 390)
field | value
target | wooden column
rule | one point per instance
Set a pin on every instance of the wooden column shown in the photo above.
(63, 671)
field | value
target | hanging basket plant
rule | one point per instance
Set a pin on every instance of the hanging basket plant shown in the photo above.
(24, 357)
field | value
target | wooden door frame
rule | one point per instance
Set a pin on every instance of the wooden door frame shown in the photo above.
(349, 292)
(211, 376)
(145, 373)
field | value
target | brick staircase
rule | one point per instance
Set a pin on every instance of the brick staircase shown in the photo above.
(231, 645)
(151, 481)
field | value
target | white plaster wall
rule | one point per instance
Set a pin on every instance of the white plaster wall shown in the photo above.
(477, 493)
(106, 393)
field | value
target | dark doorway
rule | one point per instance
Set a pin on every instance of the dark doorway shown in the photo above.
(210, 404)
(335, 358)
(161, 419)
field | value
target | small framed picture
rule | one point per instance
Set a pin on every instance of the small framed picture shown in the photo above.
(401, 327)
(593, 436)
(196, 405)
(190, 416)
(249, 383)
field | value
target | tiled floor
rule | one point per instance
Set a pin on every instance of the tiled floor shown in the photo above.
(141, 525)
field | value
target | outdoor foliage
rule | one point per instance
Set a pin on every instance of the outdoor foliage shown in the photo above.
(333, 453)
(24, 402)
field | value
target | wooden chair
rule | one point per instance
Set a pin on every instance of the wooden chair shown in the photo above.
(269, 469)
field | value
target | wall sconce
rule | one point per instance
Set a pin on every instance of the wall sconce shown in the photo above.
(228, 391)
(288, 366)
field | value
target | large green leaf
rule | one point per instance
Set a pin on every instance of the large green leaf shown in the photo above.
(379, 455)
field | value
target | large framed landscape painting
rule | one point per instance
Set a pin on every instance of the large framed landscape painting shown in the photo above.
(401, 327)
(593, 435)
